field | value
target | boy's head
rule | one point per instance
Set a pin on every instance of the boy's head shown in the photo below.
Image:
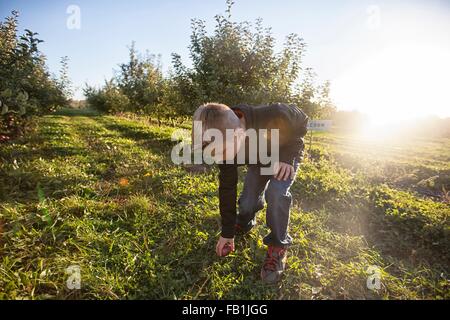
(215, 116)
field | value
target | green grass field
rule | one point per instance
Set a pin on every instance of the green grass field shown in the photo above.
(101, 192)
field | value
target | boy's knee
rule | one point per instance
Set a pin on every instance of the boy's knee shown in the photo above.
(247, 207)
(277, 190)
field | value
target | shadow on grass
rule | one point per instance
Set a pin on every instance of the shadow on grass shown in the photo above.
(71, 112)
(158, 143)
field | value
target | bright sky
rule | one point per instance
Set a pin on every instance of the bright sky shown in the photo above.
(381, 56)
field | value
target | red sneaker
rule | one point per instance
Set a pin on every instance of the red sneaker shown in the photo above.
(274, 264)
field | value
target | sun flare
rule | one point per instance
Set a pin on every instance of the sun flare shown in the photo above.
(403, 70)
(398, 84)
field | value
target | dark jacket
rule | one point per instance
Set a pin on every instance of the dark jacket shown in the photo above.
(291, 122)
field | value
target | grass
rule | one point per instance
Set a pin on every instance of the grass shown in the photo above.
(101, 192)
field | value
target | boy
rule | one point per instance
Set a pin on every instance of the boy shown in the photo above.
(291, 123)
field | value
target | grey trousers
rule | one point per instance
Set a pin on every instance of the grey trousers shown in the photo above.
(259, 188)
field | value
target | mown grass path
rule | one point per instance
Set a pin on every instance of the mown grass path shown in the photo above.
(100, 192)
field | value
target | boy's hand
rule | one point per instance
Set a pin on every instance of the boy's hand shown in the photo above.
(284, 171)
(224, 246)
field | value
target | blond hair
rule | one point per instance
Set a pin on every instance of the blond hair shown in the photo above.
(215, 116)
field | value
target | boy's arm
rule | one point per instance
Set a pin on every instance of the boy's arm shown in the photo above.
(228, 178)
(294, 149)
(291, 151)
(298, 120)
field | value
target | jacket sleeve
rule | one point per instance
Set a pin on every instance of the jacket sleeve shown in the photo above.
(294, 148)
(292, 151)
(228, 178)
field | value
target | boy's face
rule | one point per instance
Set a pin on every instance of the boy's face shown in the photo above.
(218, 131)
